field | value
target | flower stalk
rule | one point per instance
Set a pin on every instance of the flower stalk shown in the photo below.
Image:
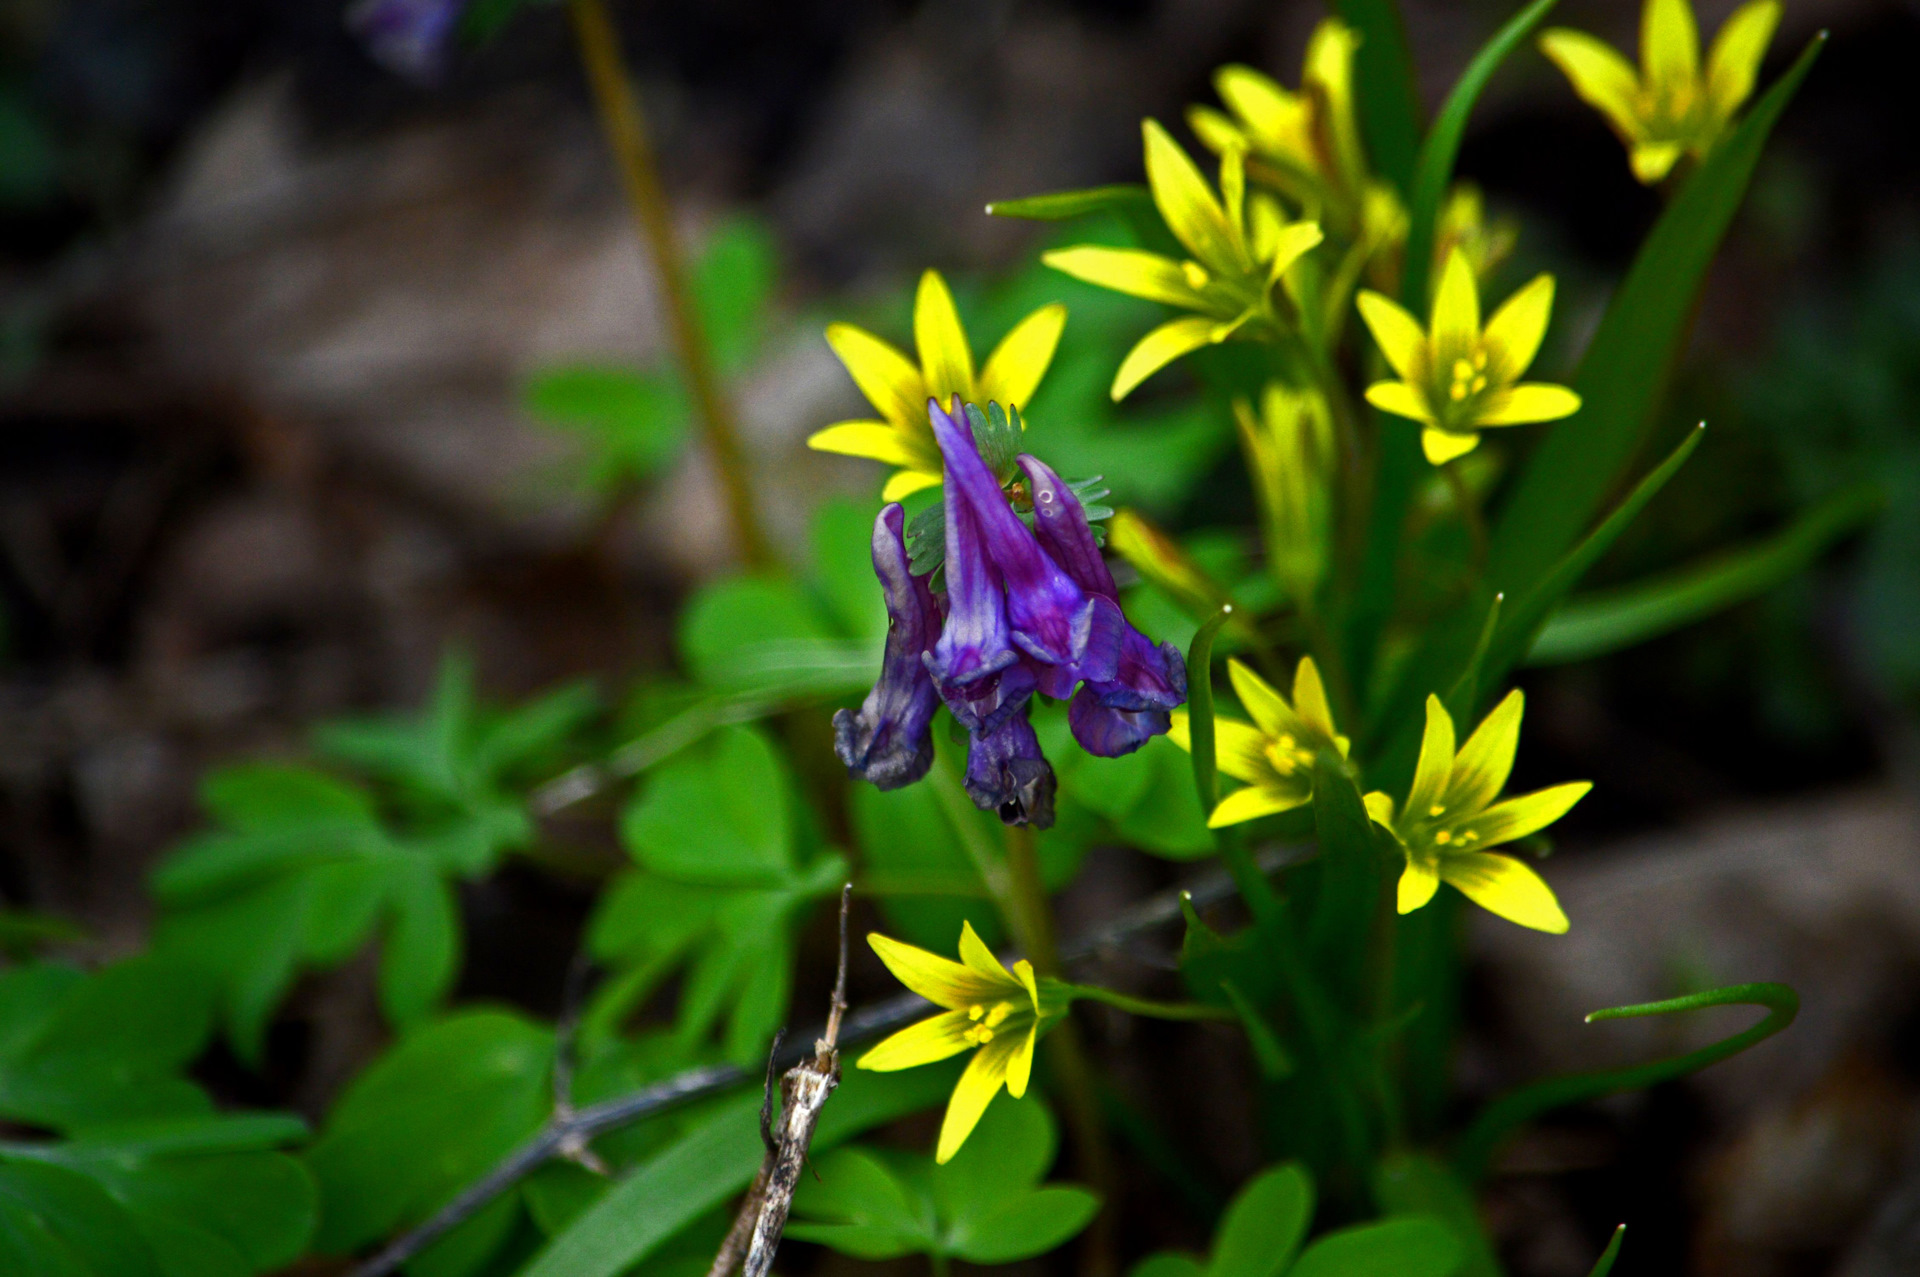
(625, 126)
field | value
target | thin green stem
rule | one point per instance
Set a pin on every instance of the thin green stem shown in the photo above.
(1386, 1048)
(1469, 507)
(963, 818)
(1149, 1007)
(625, 126)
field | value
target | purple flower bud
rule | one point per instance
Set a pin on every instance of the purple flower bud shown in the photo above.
(1051, 617)
(408, 37)
(888, 741)
(1060, 523)
(1109, 733)
(1007, 773)
(974, 663)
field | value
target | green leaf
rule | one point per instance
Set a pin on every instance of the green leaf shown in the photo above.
(1168, 1263)
(842, 537)
(1030, 1225)
(1064, 205)
(421, 953)
(717, 814)
(1594, 624)
(432, 1114)
(23, 933)
(1384, 83)
(736, 631)
(912, 861)
(1148, 797)
(1632, 354)
(1434, 171)
(1604, 1265)
(1420, 1184)
(1009, 1151)
(1408, 1247)
(55, 1223)
(732, 283)
(859, 1207)
(713, 1161)
(86, 1051)
(1264, 1225)
(630, 424)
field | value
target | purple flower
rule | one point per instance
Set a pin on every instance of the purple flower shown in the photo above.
(1051, 618)
(888, 741)
(974, 664)
(408, 37)
(1007, 773)
(1116, 715)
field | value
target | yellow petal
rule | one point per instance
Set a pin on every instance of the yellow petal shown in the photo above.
(1418, 882)
(1652, 161)
(1505, 886)
(1180, 730)
(1603, 79)
(945, 358)
(1456, 312)
(1256, 801)
(1310, 700)
(1020, 1067)
(1159, 348)
(1398, 334)
(905, 483)
(1513, 334)
(975, 1090)
(1129, 271)
(1436, 763)
(936, 978)
(1328, 72)
(927, 1042)
(1400, 399)
(1442, 446)
(875, 439)
(980, 960)
(1268, 708)
(1188, 207)
(1017, 364)
(1380, 807)
(1023, 972)
(889, 380)
(1276, 117)
(1240, 751)
(1216, 132)
(1669, 46)
(1735, 58)
(1293, 242)
(1528, 402)
(1481, 769)
(1526, 814)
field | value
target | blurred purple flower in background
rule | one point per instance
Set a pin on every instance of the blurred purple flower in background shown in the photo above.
(1024, 610)
(408, 37)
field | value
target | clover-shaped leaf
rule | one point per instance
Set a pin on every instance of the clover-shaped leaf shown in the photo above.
(985, 1206)
(1261, 1232)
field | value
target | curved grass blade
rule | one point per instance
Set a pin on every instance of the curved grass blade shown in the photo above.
(1606, 621)
(1604, 1264)
(1434, 171)
(1462, 698)
(1060, 206)
(1388, 92)
(1500, 1118)
(1631, 355)
(1206, 775)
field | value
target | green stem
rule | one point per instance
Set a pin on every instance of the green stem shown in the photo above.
(1386, 1047)
(1032, 920)
(1469, 508)
(964, 819)
(1504, 1115)
(625, 127)
(1149, 1007)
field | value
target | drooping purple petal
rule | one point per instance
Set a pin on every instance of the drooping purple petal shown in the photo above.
(1007, 773)
(1151, 676)
(1051, 617)
(1060, 524)
(974, 663)
(888, 742)
(408, 37)
(1108, 732)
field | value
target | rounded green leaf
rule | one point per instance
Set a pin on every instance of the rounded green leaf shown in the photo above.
(1031, 1224)
(1412, 1246)
(1264, 1225)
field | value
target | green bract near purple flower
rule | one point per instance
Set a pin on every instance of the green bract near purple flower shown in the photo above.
(1024, 610)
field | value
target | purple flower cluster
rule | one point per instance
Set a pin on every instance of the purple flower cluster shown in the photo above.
(1024, 611)
(408, 37)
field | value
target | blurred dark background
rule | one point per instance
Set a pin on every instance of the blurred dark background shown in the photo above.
(265, 310)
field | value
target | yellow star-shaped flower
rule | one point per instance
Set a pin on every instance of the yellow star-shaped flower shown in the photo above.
(1668, 108)
(899, 389)
(1241, 244)
(1274, 754)
(1451, 821)
(1457, 378)
(1306, 144)
(996, 1013)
